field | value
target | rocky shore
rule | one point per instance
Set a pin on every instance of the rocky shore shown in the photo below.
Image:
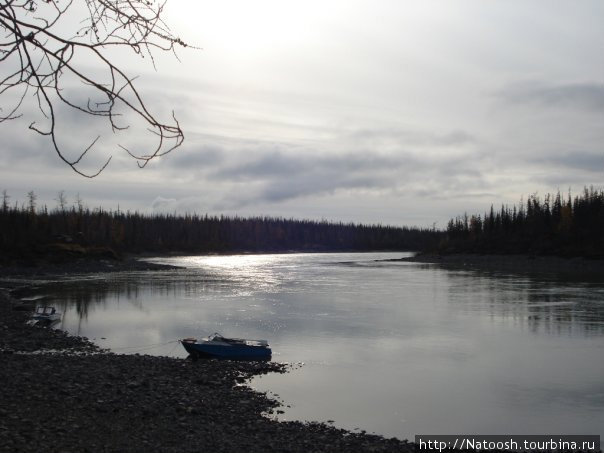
(512, 263)
(40, 268)
(62, 394)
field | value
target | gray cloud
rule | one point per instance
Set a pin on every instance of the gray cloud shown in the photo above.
(277, 175)
(269, 163)
(410, 137)
(571, 169)
(198, 157)
(578, 160)
(319, 183)
(75, 131)
(279, 164)
(581, 96)
(21, 145)
(278, 172)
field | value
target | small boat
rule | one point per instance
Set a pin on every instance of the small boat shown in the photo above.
(44, 316)
(216, 346)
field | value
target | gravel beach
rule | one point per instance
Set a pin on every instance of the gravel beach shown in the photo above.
(42, 268)
(63, 394)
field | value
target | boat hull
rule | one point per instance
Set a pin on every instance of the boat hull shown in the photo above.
(44, 317)
(207, 350)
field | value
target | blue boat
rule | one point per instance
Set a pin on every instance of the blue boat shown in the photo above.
(216, 346)
(44, 317)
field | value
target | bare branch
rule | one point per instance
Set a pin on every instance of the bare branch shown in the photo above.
(40, 60)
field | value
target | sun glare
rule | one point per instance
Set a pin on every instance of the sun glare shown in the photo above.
(232, 261)
(250, 28)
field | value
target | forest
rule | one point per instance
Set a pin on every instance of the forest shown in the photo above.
(27, 229)
(553, 225)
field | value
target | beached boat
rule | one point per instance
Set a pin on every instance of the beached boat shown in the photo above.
(44, 316)
(216, 346)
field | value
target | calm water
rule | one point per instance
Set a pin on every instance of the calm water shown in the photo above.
(388, 347)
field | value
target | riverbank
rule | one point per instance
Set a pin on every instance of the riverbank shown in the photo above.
(80, 398)
(512, 263)
(39, 268)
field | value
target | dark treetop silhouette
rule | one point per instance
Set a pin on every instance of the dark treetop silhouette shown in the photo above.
(27, 230)
(552, 226)
(41, 54)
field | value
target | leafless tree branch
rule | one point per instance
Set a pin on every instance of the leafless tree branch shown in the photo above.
(37, 59)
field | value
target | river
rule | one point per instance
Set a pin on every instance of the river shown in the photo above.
(395, 348)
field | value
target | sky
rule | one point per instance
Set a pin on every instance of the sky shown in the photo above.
(399, 112)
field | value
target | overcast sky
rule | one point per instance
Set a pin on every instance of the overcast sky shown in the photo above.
(390, 111)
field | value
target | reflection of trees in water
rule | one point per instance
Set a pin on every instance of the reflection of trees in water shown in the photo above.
(89, 294)
(555, 306)
(561, 314)
(84, 296)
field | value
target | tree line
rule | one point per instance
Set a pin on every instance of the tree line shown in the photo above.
(552, 225)
(25, 227)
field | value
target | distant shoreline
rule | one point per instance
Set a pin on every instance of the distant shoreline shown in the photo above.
(42, 266)
(82, 266)
(138, 262)
(519, 263)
